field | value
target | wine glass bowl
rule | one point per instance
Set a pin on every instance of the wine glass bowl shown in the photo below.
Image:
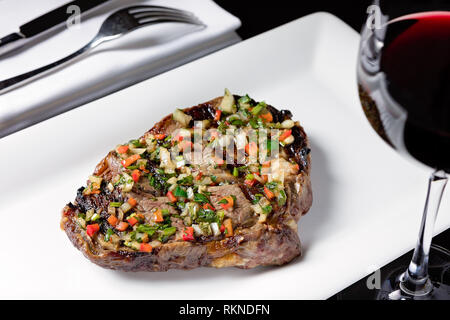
(404, 87)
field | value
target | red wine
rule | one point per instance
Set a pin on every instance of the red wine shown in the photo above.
(406, 96)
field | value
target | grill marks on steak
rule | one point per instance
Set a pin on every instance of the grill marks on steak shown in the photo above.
(274, 242)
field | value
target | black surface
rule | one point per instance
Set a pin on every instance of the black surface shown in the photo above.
(258, 17)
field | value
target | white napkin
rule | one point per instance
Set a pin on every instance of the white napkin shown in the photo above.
(136, 56)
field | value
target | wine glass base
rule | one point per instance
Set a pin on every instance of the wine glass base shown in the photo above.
(439, 280)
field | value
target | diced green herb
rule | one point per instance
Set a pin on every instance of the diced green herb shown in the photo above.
(186, 180)
(281, 198)
(267, 209)
(108, 234)
(180, 192)
(115, 204)
(201, 198)
(259, 107)
(150, 230)
(244, 99)
(137, 144)
(235, 171)
(169, 231)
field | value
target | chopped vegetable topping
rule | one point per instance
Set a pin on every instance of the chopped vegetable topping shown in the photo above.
(122, 226)
(226, 202)
(164, 161)
(130, 160)
(92, 229)
(188, 234)
(228, 228)
(136, 174)
(171, 197)
(132, 221)
(122, 149)
(145, 247)
(112, 220)
(285, 134)
(269, 194)
(218, 114)
(158, 216)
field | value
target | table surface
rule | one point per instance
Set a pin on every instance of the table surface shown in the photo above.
(259, 18)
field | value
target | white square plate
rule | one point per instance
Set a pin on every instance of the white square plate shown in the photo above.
(367, 200)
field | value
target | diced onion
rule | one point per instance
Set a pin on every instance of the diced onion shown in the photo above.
(227, 104)
(125, 207)
(197, 230)
(288, 140)
(110, 187)
(215, 228)
(287, 124)
(181, 117)
(190, 193)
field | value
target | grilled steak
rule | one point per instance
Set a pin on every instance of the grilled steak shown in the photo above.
(151, 205)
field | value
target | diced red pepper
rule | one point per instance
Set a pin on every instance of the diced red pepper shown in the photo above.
(132, 202)
(178, 138)
(122, 149)
(229, 202)
(158, 216)
(160, 136)
(91, 229)
(267, 117)
(122, 226)
(251, 148)
(145, 247)
(208, 206)
(218, 114)
(136, 174)
(269, 194)
(199, 176)
(132, 221)
(219, 161)
(112, 220)
(188, 234)
(250, 183)
(171, 197)
(130, 160)
(285, 134)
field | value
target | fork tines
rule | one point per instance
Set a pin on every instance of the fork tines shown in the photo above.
(144, 14)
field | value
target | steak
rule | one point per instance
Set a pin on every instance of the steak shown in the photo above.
(146, 207)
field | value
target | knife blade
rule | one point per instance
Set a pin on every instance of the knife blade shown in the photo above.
(44, 23)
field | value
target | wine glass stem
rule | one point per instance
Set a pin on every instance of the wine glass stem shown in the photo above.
(415, 280)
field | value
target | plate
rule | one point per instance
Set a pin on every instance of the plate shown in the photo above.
(367, 199)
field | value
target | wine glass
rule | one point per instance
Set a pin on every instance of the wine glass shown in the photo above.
(404, 87)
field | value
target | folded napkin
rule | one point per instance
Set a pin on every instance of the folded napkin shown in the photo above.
(134, 57)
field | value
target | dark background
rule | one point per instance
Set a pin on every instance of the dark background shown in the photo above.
(260, 16)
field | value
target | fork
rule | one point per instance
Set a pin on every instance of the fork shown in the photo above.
(115, 26)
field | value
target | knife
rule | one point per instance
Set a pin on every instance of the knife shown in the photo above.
(43, 23)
